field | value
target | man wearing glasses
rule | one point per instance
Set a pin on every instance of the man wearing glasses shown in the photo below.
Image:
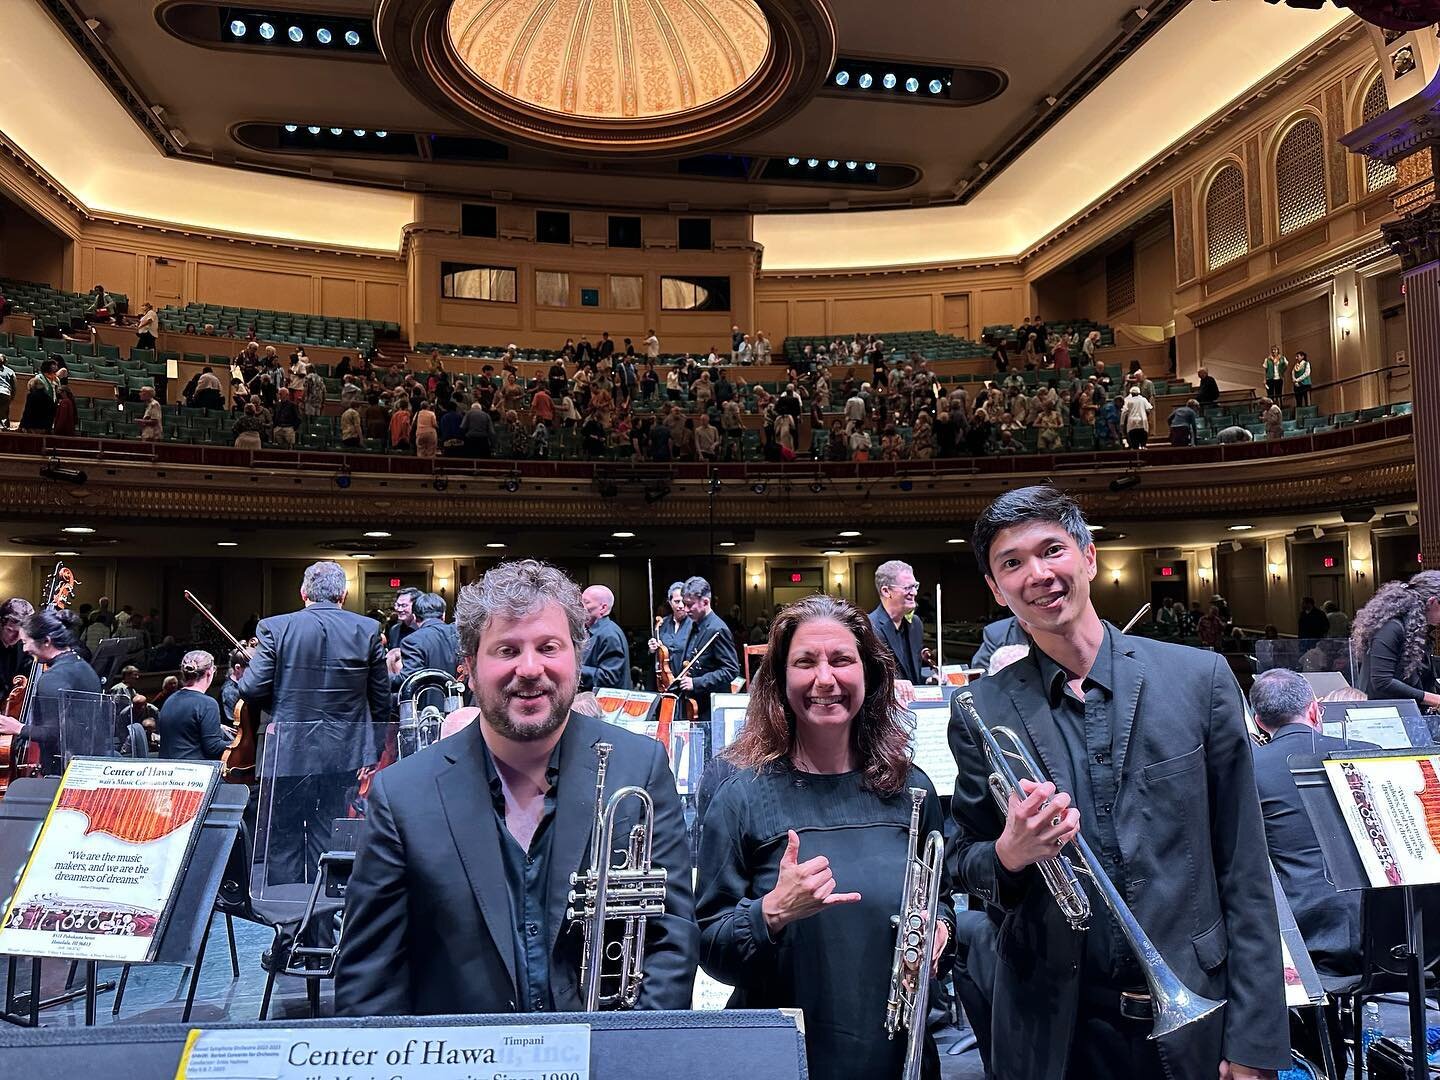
(897, 624)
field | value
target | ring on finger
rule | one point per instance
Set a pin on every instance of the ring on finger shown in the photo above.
(1059, 842)
(1055, 822)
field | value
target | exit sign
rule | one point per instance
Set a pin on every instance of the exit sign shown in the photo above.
(1167, 571)
(394, 582)
(796, 579)
(1329, 562)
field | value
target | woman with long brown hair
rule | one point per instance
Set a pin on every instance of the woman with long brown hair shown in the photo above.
(1391, 640)
(802, 858)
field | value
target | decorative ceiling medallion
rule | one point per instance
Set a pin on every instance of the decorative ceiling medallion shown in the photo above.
(612, 77)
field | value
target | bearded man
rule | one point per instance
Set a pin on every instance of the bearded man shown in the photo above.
(458, 897)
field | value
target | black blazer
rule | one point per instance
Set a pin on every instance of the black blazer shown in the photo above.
(1004, 631)
(1329, 920)
(323, 668)
(607, 657)
(717, 666)
(1193, 844)
(189, 727)
(429, 929)
(434, 644)
(42, 722)
(1382, 668)
(905, 667)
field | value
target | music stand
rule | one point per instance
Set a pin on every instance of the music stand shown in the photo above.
(187, 930)
(111, 655)
(1348, 873)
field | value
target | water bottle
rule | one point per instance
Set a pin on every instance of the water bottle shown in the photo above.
(1370, 1029)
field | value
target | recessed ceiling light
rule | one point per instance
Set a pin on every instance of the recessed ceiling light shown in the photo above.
(889, 80)
(1241, 528)
(841, 78)
(361, 555)
(238, 28)
(78, 530)
(955, 540)
(832, 551)
(832, 164)
(226, 543)
(65, 553)
(936, 86)
(727, 543)
(359, 133)
(912, 84)
(313, 130)
(851, 532)
(622, 535)
(292, 128)
(337, 131)
(869, 166)
(381, 134)
(866, 81)
(607, 555)
(323, 36)
(812, 162)
(267, 31)
(295, 34)
(378, 534)
(1096, 528)
(352, 38)
(496, 545)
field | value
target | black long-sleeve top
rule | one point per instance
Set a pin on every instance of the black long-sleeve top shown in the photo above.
(1382, 670)
(189, 727)
(835, 965)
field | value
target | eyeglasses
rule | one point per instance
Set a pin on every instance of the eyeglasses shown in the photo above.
(905, 588)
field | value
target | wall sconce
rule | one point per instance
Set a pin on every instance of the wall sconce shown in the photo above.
(1275, 569)
(1358, 566)
(442, 583)
(1115, 577)
(755, 581)
(1344, 319)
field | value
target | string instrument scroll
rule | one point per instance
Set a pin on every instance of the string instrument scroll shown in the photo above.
(237, 763)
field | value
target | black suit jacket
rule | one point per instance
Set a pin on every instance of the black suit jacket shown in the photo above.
(717, 666)
(42, 722)
(320, 673)
(906, 666)
(1004, 631)
(1193, 844)
(1329, 920)
(607, 657)
(434, 644)
(1382, 672)
(429, 929)
(189, 727)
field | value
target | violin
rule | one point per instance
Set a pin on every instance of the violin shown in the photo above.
(20, 757)
(237, 761)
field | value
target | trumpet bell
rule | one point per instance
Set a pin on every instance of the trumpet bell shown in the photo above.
(1176, 1006)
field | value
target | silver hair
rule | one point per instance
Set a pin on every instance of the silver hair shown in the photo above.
(194, 664)
(428, 606)
(324, 581)
(513, 590)
(1279, 697)
(887, 574)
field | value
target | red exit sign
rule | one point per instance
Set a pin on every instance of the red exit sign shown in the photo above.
(1329, 562)
(796, 579)
(1167, 571)
(394, 582)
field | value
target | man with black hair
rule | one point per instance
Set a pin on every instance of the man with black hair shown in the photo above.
(432, 644)
(709, 650)
(14, 660)
(405, 622)
(1145, 746)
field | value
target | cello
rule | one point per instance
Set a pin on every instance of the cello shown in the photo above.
(20, 757)
(237, 762)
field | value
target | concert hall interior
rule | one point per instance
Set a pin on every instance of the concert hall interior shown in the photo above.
(779, 297)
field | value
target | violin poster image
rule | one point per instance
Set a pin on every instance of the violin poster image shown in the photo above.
(1392, 807)
(109, 859)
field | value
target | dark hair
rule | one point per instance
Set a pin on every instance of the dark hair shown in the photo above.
(881, 732)
(428, 606)
(1279, 697)
(1021, 507)
(697, 586)
(17, 608)
(410, 591)
(1403, 600)
(59, 625)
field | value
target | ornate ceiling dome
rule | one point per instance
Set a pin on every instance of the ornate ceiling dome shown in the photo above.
(611, 59)
(619, 77)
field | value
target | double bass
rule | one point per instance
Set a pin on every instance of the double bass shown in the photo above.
(20, 757)
(237, 762)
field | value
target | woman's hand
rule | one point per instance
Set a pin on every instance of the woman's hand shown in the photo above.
(802, 890)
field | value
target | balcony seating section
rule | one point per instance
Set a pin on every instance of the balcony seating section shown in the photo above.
(52, 307)
(284, 326)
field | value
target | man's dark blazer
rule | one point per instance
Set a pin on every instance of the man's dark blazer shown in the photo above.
(435, 644)
(607, 657)
(320, 674)
(429, 927)
(717, 666)
(914, 630)
(189, 727)
(1004, 631)
(1329, 920)
(1193, 843)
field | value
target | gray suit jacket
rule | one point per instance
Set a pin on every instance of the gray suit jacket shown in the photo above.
(320, 673)
(429, 929)
(1193, 844)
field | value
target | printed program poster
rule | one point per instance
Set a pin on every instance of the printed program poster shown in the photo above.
(1392, 808)
(109, 858)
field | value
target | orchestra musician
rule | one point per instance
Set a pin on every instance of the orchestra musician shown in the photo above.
(230, 689)
(189, 721)
(998, 635)
(14, 660)
(458, 897)
(708, 651)
(607, 654)
(405, 621)
(1390, 639)
(805, 845)
(50, 636)
(897, 625)
(320, 674)
(432, 644)
(1147, 752)
(674, 626)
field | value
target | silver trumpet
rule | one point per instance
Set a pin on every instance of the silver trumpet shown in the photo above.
(420, 725)
(909, 1000)
(630, 893)
(1172, 1003)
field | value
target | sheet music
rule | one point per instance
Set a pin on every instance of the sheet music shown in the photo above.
(1382, 726)
(932, 748)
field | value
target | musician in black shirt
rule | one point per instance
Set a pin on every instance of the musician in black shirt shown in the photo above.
(13, 658)
(189, 722)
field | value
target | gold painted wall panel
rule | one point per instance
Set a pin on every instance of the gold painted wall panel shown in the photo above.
(217, 283)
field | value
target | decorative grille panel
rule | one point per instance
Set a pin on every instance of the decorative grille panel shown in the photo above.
(1378, 174)
(1225, 230)
(1300, 176)
(1120, 280)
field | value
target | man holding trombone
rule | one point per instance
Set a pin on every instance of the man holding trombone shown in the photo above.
(1140, 937)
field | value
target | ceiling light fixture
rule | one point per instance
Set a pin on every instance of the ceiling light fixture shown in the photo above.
(852, 165)
(1241, 528)
(337, 131)
(832, 552)
(912, 84)
(866, 81)
(292, 128)
(792, 161)
(295, 34)
(842, 78)
(65, 553)
(936, 86)
(359, 133)
(889, 81)
(313, 130)
(607, 555)
(267, 31)
(850, 532)
(622, 535)
(495, 545)
(727, 543)
(812, 162)
(352, 38)
(226, 543)
(832, 164)
(378, 534)
(381, 134)
(955, 540)
(323, 36)
(238, 28)
(78, 530)
(360, 555)
(869, 166)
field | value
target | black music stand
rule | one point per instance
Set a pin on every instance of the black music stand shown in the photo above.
(186, 932)
(1348, 874)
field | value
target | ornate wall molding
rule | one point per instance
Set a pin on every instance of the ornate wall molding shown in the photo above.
(1367, 250)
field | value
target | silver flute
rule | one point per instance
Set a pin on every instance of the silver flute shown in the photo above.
(909, 1000)
(629, 893)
